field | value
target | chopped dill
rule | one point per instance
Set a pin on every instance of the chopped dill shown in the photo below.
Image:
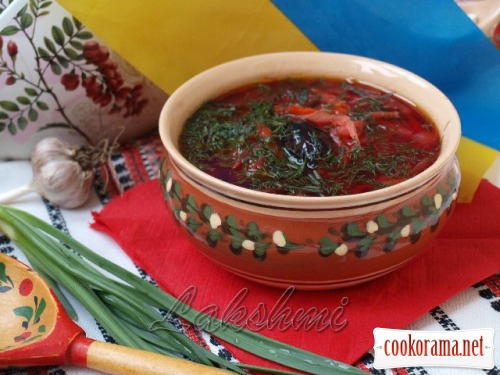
(251, 138)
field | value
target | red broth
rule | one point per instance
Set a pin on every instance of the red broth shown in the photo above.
(310, 137)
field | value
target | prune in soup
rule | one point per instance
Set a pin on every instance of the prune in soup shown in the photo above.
(310, 137)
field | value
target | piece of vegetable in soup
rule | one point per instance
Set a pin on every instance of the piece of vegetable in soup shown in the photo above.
(310, 137)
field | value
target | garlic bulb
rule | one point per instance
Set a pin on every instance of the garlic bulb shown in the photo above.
(63, 182)
(50, 148)
(63, 173)
(57, 175)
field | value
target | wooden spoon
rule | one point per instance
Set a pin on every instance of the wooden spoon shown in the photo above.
(37, 331)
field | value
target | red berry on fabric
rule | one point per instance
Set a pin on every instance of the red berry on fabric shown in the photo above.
(70, 81)
(11, 48)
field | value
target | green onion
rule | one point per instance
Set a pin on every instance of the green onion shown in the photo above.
(132, 309)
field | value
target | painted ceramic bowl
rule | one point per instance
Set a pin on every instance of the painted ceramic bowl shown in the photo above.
(309, 242)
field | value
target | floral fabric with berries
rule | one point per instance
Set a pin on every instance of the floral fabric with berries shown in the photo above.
(58, 79)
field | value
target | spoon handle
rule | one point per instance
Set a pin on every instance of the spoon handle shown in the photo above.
(121, 360)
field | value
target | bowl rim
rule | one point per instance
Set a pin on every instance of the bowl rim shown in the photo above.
(181, 94)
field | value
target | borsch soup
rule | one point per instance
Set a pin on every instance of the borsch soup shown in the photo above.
(310, 137)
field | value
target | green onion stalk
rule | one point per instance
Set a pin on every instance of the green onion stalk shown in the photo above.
(132, 310)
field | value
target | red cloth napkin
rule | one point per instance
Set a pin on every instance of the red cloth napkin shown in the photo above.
(466, 252)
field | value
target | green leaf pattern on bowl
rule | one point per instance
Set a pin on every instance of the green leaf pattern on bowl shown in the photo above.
(407, 222)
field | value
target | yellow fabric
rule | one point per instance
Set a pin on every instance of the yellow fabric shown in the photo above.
(170, 41)
(474, 159)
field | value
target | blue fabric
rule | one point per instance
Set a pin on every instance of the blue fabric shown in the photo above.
(434, 39)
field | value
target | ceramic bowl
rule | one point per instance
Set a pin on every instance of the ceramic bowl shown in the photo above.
(309, 242)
